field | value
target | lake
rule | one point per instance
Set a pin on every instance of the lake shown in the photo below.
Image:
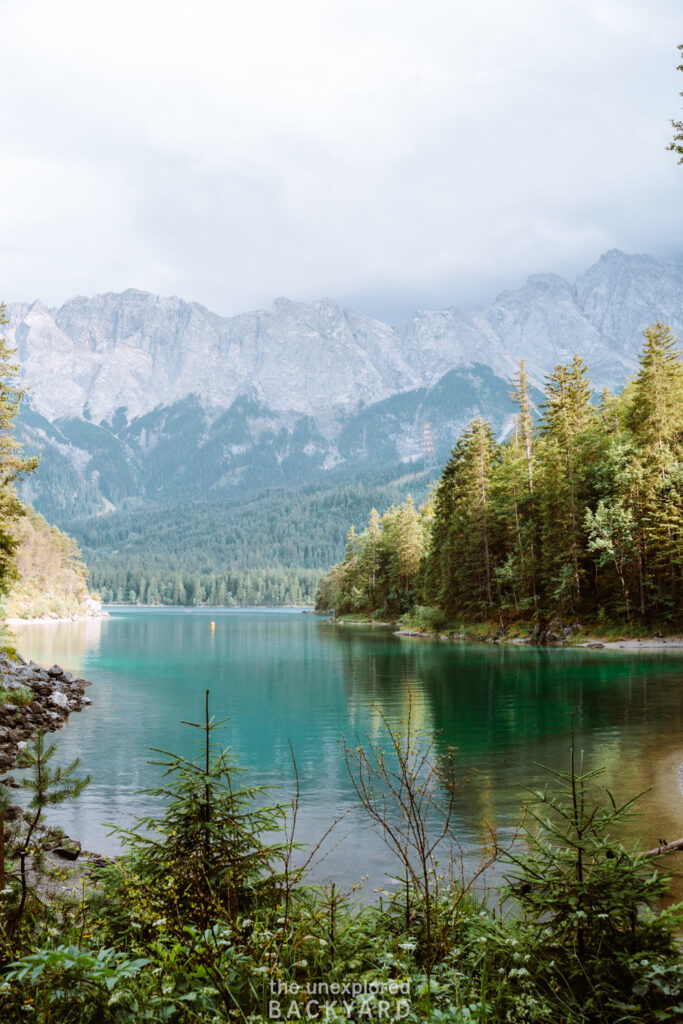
(282, 676)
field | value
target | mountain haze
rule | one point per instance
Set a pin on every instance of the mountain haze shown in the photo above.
(134, 397)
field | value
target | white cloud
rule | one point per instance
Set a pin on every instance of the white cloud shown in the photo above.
(390, 154)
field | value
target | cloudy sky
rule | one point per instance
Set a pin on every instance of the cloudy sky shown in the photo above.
(388, 153)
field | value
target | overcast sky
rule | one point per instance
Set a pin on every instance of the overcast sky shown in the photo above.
(388, 153)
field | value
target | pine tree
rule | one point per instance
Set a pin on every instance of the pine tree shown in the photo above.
(436, 567)
(524, 426)
(466, 551)
(408, 543)
(676, 144)
(567, 413)
(656, 420)
(371, 554)
(48, 787)
(205, 858)
(590, 904)
(13, 465)
(656, 414)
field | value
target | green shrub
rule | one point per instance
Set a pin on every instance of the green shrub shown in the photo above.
(21, 696)
(591, 933)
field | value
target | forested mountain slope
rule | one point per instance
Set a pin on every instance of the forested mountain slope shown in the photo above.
(270, 550)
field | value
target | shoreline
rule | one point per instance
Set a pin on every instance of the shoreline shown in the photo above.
(55, 695)
(47, 620)
(91, 608)
(664, 643)
(672, 642)
(219, 607)
(669, 643)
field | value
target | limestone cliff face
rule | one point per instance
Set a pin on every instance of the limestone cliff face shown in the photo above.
(126, 386)
(137, 352)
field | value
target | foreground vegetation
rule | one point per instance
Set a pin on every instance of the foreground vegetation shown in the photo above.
(207, 917)
(579, 514)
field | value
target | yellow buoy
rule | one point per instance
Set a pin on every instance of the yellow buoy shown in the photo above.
(213, 627)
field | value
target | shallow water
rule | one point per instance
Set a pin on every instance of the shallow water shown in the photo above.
(284, 676)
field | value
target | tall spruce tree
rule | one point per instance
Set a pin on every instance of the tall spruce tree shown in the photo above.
(436, 567)
(13, 465)
(524, 427)
(567, 413)
(468, 558)
(655, 418)
(516, 503)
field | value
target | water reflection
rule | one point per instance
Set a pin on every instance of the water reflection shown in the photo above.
(77, 642)
(285, 677)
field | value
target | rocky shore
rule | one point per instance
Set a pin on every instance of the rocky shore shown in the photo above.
(557, 636)
(32, 697)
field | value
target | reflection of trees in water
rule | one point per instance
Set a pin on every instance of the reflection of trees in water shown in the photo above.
(505, 708)
(282, 677)
(67, 642)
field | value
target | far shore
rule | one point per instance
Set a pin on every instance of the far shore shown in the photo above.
(218, 607)
(663, 643)
(672, 642)
(49, 620)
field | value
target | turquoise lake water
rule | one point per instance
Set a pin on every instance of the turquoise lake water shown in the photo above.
(283, 676)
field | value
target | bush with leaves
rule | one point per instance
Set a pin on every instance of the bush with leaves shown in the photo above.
(72, 984)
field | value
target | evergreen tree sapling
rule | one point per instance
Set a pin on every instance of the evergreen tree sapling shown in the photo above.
(206, 858)
(49, 787)
(588, 902)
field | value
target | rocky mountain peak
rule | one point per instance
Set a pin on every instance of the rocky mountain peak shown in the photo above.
(137, 351)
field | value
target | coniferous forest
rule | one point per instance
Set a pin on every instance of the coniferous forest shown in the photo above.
(272, 550)
(577, 513)
(209, 915)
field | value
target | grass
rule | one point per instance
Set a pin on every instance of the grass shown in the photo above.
(431, 620)
(21, 697)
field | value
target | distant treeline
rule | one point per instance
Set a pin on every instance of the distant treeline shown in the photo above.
(270, 551)
(578, 512)
(132, 585)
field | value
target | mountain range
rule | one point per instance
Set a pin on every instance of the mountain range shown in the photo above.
(135, 399)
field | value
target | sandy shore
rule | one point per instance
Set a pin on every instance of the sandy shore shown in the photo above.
(653, 643)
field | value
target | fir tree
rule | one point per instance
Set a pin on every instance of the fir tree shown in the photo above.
(13, 465)
(566, 414)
